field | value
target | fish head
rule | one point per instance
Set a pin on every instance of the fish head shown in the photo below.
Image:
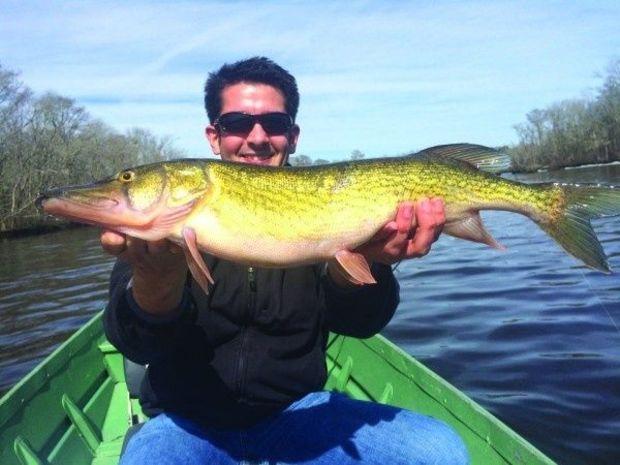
(145, 202)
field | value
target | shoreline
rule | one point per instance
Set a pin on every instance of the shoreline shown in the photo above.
(546, 169)
(40, 230)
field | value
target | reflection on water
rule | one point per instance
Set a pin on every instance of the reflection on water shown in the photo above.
(529, 333)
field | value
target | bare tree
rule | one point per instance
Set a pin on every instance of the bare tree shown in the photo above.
(50, 141)
(357, 155)
(573, 132)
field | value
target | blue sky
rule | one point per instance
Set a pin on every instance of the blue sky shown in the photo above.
(382, 77)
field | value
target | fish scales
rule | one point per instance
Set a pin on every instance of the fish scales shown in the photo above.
(307, 203)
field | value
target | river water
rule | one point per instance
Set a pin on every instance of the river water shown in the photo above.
(528, 333)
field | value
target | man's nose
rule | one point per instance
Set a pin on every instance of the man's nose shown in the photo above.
(257, 135)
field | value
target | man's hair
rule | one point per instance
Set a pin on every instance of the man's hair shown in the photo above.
(257, 70)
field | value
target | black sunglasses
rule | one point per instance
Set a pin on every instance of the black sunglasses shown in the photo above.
(236, 122)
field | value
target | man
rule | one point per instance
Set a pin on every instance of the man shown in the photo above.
(236, 375)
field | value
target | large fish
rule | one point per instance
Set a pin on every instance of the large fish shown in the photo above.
(282, 217)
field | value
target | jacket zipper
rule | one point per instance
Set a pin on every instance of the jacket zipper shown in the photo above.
(244, 330)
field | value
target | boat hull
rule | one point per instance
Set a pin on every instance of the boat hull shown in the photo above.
(75, 407)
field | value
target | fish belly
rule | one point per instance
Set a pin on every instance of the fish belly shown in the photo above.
(263, 247)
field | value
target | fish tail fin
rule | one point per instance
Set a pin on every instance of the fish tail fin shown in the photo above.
(571, 227)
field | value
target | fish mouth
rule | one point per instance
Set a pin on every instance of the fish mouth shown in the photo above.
(43, 201)
(81, 204)
(96, 211)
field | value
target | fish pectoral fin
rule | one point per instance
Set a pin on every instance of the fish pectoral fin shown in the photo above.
(355, 266)
(471, 228)
(197, 266)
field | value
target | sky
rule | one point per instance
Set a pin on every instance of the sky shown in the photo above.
(385, 78)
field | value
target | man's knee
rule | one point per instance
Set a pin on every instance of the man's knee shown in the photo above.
(433, 441)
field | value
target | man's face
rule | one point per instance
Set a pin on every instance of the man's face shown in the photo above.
(257, 146)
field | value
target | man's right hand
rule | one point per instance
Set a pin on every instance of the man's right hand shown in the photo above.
(159, 270)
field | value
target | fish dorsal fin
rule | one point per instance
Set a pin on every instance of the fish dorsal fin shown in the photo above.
(478, 156)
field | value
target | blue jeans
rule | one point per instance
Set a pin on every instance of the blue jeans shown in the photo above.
(321, 428)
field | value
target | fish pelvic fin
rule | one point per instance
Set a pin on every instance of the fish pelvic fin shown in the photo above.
(355, 267)
(471, 228)
(477, 156)
(196, 264)
(572, 228)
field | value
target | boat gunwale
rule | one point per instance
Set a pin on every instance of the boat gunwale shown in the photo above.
(27, 387)
(486, 426)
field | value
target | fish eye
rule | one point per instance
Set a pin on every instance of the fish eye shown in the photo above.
(126, 176)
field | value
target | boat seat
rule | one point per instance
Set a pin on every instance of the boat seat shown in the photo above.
(134, 374)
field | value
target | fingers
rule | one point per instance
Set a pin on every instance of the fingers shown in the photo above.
(430, 216)
(112, 242)
(396, 242)
(386, 231)
(134, 249)
(411, 234)
(439, 212)
(405, 218)
(139, 248)
(407, 223)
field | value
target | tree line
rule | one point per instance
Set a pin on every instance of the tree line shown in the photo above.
(572, 132)
(48, 141)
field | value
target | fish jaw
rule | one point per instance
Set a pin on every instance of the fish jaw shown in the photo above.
(105, 212)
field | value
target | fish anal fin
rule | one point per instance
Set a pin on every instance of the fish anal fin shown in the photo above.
(195, 262)
(355, 266)
(471, 228)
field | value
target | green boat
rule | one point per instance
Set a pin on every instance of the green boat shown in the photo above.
(76, 407)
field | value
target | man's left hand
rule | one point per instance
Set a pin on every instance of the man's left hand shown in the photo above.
(411, 235)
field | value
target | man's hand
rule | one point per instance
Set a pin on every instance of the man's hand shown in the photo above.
(411, 235)
(159, 270)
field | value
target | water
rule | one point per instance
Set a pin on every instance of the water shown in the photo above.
(50, 285)
(528, 333)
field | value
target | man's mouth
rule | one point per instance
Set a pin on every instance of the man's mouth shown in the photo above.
(255, 159)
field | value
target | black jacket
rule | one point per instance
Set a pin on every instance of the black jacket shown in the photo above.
(251, 347)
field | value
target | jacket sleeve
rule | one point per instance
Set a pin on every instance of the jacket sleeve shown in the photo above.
(141, 337)
(364, 311)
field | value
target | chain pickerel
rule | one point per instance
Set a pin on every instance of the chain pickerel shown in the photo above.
(289, 216)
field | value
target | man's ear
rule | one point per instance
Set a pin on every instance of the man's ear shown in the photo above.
(293, 137)
(213, 136)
